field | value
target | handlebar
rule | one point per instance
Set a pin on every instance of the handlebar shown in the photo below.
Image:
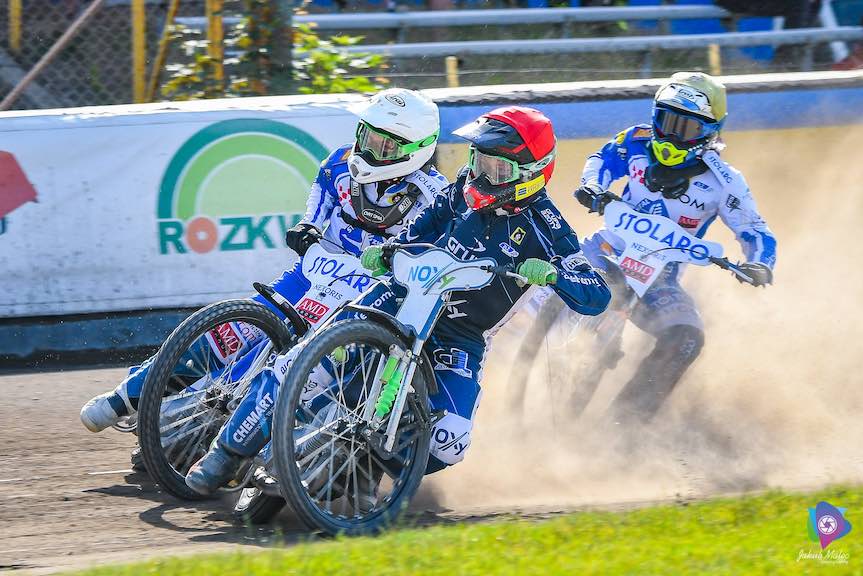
(726, 264)
(505, 271)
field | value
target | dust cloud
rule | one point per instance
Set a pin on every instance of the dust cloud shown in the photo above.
(773, 401)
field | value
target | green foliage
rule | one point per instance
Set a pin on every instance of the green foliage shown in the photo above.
(323, 67)
(751, 535)
(320, 66)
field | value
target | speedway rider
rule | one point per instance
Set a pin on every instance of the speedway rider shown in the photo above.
(364, 193)
(497, 208)
(674, 170)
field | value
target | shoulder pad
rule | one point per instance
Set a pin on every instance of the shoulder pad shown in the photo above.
(724, 172)
(337, 156)
(640, 132)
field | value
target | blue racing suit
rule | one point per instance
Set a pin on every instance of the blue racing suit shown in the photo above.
(328, 203)
(461, 338)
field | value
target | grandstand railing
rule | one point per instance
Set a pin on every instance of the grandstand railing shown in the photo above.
(614, 44)
(497, 17)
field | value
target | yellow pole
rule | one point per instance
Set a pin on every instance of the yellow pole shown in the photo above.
(714, 59)
(15, 25)
(162, 54)
(215, 48)
(139, 51)
(451, 71)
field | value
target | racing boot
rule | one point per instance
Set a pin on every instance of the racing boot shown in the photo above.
(105, 410)
(214, 470)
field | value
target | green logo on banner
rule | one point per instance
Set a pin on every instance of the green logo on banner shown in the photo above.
(236, 185)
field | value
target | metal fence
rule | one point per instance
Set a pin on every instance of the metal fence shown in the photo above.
(616, 44)
(98, 66)
(109, 60)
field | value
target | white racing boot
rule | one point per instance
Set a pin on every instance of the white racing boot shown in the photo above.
(105, 410)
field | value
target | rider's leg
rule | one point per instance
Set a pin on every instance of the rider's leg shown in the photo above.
(457, 367)
(668, 313)
(248, 429)
(208, 353)
(291, 284)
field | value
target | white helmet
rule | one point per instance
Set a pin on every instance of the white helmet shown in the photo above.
(396, 135)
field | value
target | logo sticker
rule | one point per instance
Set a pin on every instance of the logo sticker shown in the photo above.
(452, 359)
(311, 310)
(508, 250)
(577, 262)
(529, 188)
(732, 202)
(225, 341)
(518, 235)
(551, 218)
(656, 207)
(827, 524)
(688, 222)
(636, 269)
(397, 100)
(373, 216)
(200, 208)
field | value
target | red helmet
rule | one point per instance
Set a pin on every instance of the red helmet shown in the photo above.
(511, 156)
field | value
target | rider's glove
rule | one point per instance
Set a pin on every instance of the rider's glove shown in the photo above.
(538, 271)
(761, 274)
(301, 237)
(594, 198)
(373, 259)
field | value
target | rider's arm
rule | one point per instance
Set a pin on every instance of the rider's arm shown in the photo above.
(578, 284)
(323, 197)
(610, 163)
(431, 223)
(738, 210)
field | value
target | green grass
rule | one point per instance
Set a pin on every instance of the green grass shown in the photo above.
(750, 535)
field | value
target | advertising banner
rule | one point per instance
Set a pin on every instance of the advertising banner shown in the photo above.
(133, 209)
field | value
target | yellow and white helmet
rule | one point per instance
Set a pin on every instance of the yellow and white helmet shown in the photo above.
(688, 113)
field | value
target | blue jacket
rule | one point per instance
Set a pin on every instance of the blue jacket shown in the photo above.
(537, 231)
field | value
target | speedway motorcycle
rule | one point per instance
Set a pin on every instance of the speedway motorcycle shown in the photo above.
(205, 367)
(352, 427)
(580, 349)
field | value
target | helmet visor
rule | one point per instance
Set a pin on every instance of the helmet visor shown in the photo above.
(380, 145)
(497, 169)
(685, 128)
(383, 146)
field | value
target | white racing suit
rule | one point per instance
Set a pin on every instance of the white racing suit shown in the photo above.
(666, 310)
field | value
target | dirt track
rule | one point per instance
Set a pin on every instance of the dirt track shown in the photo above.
(69, 500)
(68, 497)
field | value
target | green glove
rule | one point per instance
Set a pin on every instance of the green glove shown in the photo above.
(538, 271)
(373, 259)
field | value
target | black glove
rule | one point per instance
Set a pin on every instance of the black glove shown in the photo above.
(301, 237)
(761, 274)
(594, 198)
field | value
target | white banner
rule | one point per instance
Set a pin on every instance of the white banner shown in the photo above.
(154, 207)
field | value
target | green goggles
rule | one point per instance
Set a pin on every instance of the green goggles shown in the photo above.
(500, 170)
(384, 146)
